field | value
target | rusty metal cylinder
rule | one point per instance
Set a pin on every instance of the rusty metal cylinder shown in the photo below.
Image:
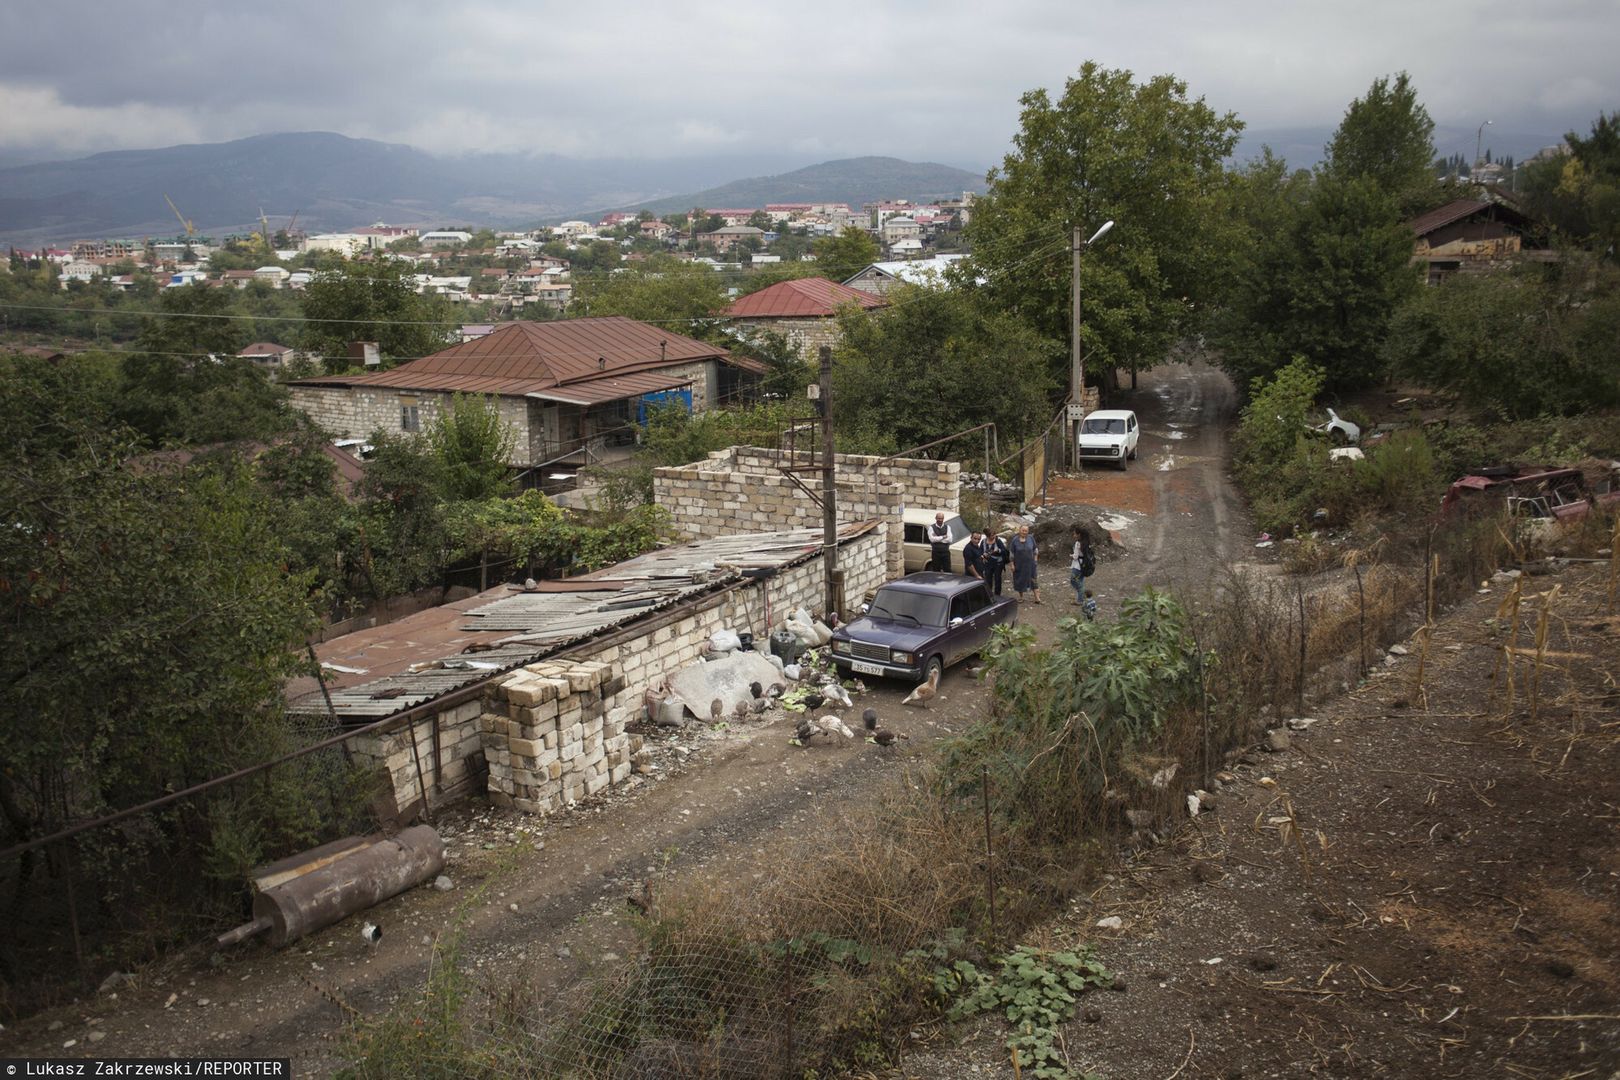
(353, 883)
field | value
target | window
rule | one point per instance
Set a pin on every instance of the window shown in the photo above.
(904, 606)
(967, 604)
(409, 418)
(1104, 426)
(916, 534)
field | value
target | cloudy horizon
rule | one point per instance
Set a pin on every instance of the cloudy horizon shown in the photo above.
(936, 81)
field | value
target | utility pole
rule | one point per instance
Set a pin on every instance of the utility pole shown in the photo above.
(829, 492)
(1077, 372)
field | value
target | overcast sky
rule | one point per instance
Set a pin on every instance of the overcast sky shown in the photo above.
(927, 80)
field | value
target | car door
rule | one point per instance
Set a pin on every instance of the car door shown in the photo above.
(970, 621)
(914, 542)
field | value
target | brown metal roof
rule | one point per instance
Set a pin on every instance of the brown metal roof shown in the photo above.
(1442, 216)
(814, 297)
(423, 656)
(523, 358)
(612, 388)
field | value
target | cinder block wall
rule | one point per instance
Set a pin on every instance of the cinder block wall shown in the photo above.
(742, 489)
(447, 747)
(553, 732)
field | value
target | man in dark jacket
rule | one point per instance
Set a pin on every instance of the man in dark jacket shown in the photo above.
(996, 558)
(973, 556)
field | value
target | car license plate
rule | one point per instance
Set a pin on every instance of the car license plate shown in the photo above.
(861, 667)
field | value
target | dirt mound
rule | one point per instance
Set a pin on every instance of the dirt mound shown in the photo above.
(1054, 532)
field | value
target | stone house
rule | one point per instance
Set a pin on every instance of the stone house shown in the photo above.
(1469, 236)
(804, 310)
(567, 390)
(730, 236)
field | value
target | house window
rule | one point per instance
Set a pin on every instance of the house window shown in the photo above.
(409, 418)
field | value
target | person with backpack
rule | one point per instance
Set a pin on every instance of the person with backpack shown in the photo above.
(1082, 563)
(996, 557)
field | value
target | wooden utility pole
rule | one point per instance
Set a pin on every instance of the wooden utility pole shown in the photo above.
(829, 492)
(1077, 372)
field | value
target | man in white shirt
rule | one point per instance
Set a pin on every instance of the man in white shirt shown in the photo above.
(939, 543)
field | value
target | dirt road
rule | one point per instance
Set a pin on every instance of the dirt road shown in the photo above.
(544, 900)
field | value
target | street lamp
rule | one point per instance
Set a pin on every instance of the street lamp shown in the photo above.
(1479, 134)
(1077, 373)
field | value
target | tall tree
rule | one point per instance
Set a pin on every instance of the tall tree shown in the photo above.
(472, 447)
(372, 301)
(937, 361)
(1579, 193)
(1109, 148)
(1387, 138)
(847, 253)
(662, 289)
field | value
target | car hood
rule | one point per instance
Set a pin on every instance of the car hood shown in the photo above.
(895, 634)
(1101, 440)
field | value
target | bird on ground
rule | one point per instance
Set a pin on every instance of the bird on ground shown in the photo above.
(838, 695)
(717, 709)
(885, 737)
(761, 704)
(756, 690)
(371, 933)
(742, 710)
(834, 725)
(925, 692)
(777, 689)
(869, 718)
(813, 700)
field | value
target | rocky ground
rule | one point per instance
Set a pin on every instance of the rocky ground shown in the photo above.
(1424, 833)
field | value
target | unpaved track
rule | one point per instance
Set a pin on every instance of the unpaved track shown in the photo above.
(717, 811)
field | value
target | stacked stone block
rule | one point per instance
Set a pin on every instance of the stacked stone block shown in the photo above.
(552, 737)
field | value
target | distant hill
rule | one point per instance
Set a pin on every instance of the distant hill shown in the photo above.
(332, 181)
(335, 182)
(852, 180)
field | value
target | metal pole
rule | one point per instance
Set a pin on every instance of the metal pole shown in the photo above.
(829, 490)
(1077, 372)
(989, 850)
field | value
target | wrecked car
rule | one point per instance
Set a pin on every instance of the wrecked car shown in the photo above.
(1537, 492)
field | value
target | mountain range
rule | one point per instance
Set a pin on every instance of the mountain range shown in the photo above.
(335, 182)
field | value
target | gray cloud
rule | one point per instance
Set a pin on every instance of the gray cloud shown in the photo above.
(935, 80)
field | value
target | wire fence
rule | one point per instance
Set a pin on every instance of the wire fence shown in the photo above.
(868, 927)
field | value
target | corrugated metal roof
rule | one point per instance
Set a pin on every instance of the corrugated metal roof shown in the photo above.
(612, 388)
(424, 655)
(522, 358)
(814, 297)
(1445, 215)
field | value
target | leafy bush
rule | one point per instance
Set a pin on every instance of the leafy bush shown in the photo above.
(1036, 990)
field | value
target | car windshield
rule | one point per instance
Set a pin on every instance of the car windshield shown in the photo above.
(905, 606)
(1104, 426)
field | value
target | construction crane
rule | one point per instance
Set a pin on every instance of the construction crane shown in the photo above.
(191, 230)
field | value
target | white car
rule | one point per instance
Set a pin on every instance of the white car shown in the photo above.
(1108, 435)
(1342, 432)
(919, 553)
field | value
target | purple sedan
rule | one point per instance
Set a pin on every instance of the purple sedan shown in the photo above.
(920, 623)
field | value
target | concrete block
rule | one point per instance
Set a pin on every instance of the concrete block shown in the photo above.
(595, 784)
(527, 690)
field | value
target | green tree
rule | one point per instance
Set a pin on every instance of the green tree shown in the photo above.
(660, 289)
(760, 220)
(1516, 345)
(1387, 137)
(185, 385)
(934, 362)
(1141, 154)
(787, 370)
(472, 448)
(846, 254)
(149, 624)
(372, 301)
(1579, 193)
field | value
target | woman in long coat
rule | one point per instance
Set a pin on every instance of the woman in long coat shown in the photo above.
(1024, 556)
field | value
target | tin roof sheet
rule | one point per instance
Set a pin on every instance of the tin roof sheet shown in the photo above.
(425, 655)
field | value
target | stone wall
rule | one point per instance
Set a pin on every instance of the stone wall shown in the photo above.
(447, 747)
(742, 489)
(554, 731)
(807, 335)
(354, 412)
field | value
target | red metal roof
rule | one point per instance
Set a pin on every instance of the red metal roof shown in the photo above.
(522, 358)
(801, 298)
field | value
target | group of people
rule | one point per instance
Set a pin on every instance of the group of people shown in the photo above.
(988, 554)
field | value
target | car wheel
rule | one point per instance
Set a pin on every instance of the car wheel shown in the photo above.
(934, 664)
(1123, 462)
